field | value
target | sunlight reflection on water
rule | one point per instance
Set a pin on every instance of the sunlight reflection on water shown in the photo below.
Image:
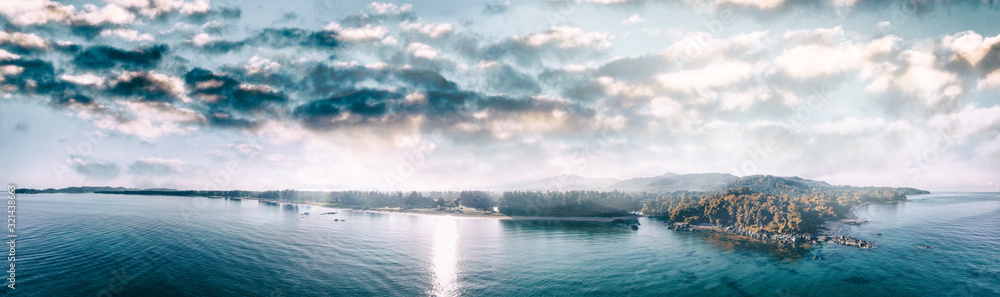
(445, 253)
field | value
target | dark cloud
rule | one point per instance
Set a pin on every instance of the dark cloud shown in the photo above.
(577, 86)
(67, 98)
(97, 170)
(360, 20)
(104, 57)
(426, 79)
(323, 80)
(155, 166)
(39, 77)
(222, 119)
(367, 104)
(506, 79)
(144, 87)
(277, 37)
(635, 68)
(223, 92)
(230, 12)
(496, 8)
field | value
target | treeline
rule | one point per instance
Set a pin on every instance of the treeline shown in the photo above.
(573, 203)
(771, 204)
(74, 190)
(570, 203)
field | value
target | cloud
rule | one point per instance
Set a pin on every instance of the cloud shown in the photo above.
(711, 76)
(991, 81)
(95, 169)
(155, 166)
(104, 57)
(971, 47)
(422, 50)
(496, 8)
(274, 37)
(360, 34)
(632, 20)
(148, 86)
(921, 77)
(363, 106)
(157, 8)
(225, 95)
(118, 12)
(968, 121)
(430, 30)
(86, 79)
(567, 37)
(22, 40)
(851, 126)
(388, 8)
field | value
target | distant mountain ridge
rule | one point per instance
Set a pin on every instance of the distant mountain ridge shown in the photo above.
(85, 189)
(666, 183)
(565, 182)
(672, 182)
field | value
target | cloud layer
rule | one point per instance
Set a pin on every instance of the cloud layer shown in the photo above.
(622, 96)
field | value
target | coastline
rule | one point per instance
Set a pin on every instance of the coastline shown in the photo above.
(466, 212)
(828, 231)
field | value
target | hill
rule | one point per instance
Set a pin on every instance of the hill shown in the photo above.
(671, 182)
(565, 182)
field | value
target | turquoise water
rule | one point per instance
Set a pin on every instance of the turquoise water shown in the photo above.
(116, 245)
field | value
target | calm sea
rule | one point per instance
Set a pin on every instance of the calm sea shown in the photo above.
(116, 245)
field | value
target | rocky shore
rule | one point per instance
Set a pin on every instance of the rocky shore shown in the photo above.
(779, 238)
(847, 240)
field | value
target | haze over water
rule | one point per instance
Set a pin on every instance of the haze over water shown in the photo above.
(77, 244)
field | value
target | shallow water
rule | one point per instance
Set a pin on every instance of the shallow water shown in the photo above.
(118, 245)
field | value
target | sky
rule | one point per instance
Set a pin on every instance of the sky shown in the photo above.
(447, 95)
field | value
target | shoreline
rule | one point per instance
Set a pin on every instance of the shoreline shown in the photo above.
(467, 213)
(829, 231)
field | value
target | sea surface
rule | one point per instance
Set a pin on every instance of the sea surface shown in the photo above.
(120, 245)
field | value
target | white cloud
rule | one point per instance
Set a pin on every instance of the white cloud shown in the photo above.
(154, 8)
(759, 4)
(828, 36)
(258, 64)
(702, 46)
(129, 34)
(991, 81)
(160, 112)
(851, 126)
(111, 13)
(388, 8)
(5, 55)
(10, 70)
(366, 33)
(23, 40)
(808, 61)
(922, 79)
(431, 30)
(422, 50)
(201, 39)
(968, 121)
(969, 46)
(568, 37)
(632, 20)
(624, 88)
(711, 76)
(88, 79)
(32, 12)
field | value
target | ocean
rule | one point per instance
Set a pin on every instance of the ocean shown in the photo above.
(121, 245)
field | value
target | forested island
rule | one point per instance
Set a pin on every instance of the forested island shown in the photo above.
(753, 204)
